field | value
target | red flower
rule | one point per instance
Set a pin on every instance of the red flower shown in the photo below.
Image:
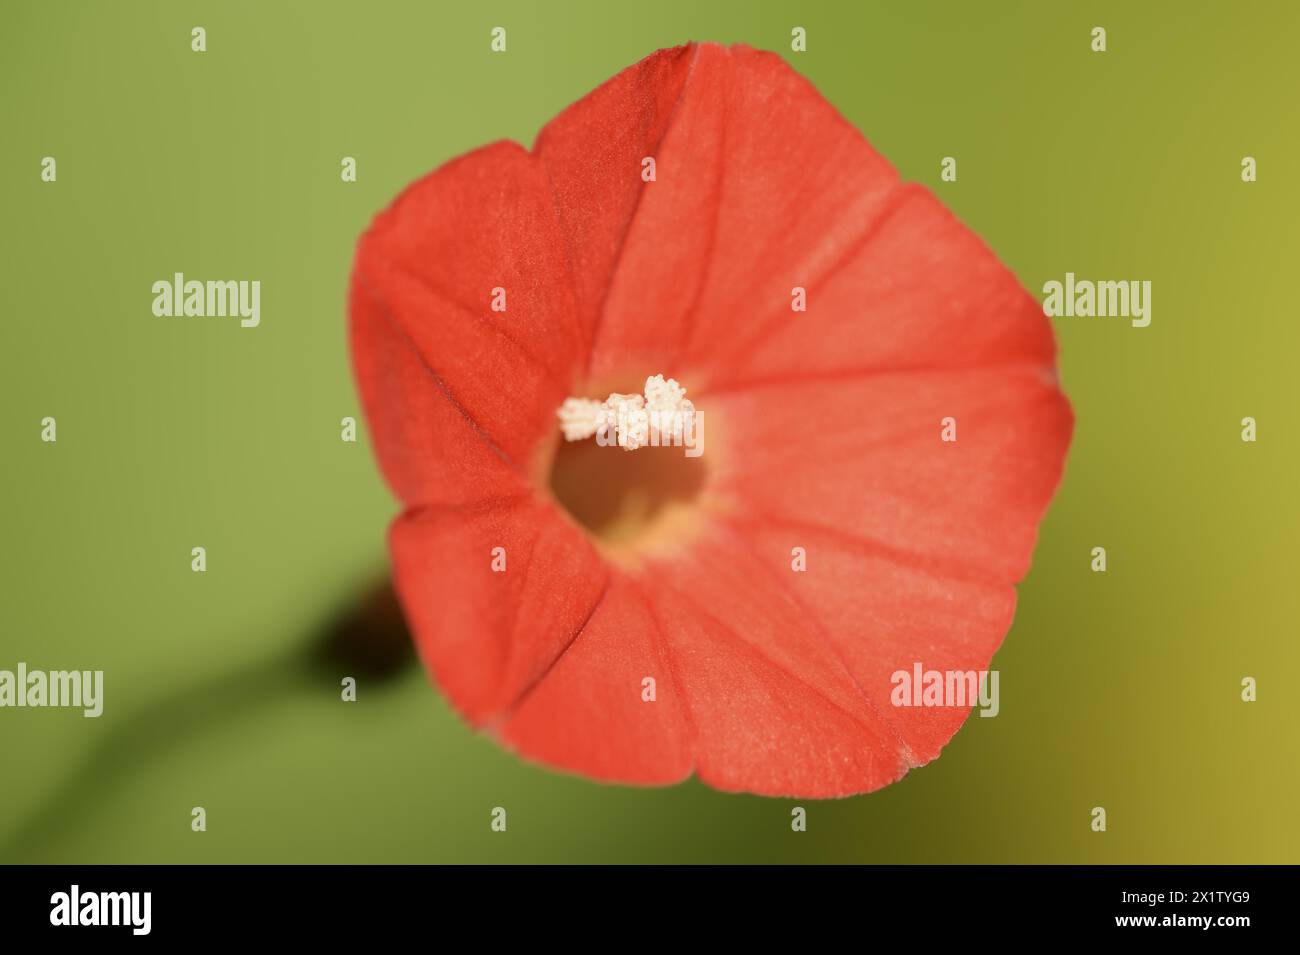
(823, 434)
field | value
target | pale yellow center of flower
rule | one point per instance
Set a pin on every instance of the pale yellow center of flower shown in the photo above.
(631, 506)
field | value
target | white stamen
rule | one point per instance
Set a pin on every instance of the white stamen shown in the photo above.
(579, 418)
(626, 414)
(660, 416)
(668, 407)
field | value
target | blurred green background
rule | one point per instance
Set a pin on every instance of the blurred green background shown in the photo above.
(1119, 689)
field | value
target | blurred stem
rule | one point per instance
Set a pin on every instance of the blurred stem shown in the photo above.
(368, 640)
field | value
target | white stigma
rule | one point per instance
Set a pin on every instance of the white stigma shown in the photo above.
(661, 415)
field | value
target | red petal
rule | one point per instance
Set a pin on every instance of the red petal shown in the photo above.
(862, 457)
(881, 614)
(918, 290)
(589, 715)
(429, 448)
(423, 283)
(761, 186)
(592, 153)
(778, 712)
(489, 637)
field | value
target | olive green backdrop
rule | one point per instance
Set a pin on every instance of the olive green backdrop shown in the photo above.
(1119, 689)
